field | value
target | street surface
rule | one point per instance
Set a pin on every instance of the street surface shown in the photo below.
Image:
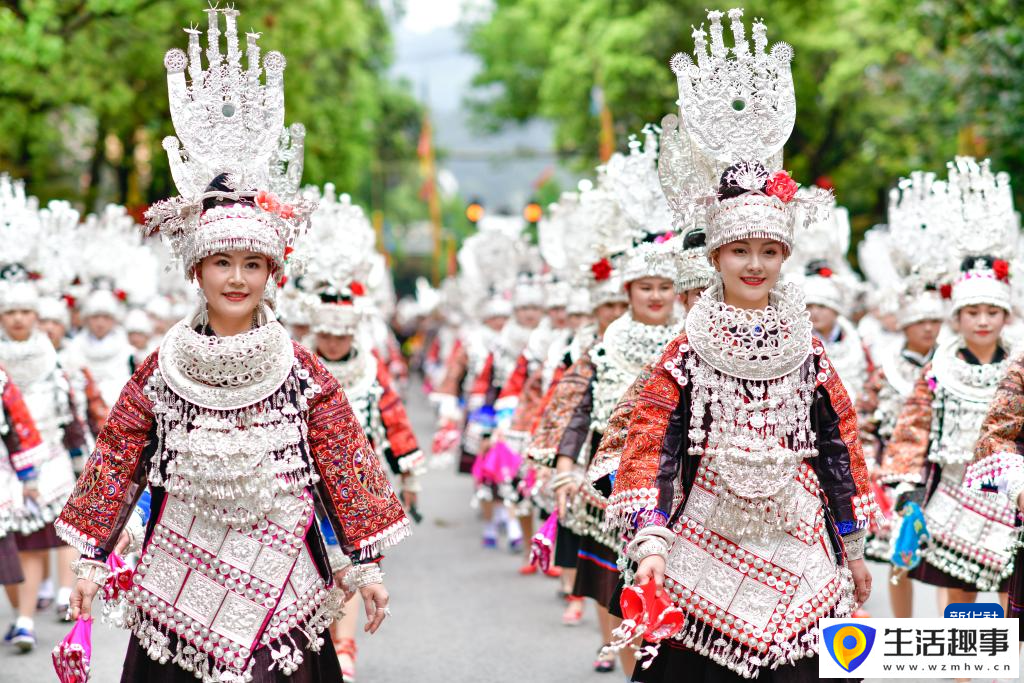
(461, 614)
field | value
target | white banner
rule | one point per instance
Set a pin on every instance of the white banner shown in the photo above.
(919, 648)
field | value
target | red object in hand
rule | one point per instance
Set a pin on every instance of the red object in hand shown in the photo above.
(782, 186)
(602, 270)
(649, 607)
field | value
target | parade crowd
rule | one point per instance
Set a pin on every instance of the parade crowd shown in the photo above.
(682, 402)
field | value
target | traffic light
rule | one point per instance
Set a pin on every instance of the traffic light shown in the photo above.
(532, 212)
(474, 212)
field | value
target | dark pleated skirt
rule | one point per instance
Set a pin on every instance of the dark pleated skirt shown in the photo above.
(44, 539)
(10, 565)
(933, 576)
(675, 664)
(317, 667)
(1016, 610)
(567, 547)
(596, 572)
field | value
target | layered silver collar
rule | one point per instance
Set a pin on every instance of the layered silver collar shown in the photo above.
(753, 344)
(226, 373)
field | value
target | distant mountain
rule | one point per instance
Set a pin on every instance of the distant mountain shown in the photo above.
(500, 168)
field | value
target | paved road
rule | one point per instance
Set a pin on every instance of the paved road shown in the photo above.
(461, 614)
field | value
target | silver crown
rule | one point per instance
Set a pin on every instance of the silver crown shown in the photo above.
(739, 108)
(633, 180)
(19, 222)
(984, 222)
(339, 247)
(227, 120)
(230, 122)
(736, 106)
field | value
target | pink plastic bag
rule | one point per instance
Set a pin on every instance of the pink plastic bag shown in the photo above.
(72, 655)
(542, 545)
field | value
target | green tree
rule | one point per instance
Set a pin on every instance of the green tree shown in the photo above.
(883, 87)
(85, 99)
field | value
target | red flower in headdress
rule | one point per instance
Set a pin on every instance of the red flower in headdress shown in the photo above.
(782, 186)
(825, 272)
(33, 276)
(946, 291)
(69, 301)
(357, 288)
(282, 281)
(287, 252)
(1002, 269)
(602, 270)
(268, 201)
(121, 295)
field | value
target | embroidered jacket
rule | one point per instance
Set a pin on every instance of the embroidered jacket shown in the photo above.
(656, 469)
(21, 447)
(353, 489)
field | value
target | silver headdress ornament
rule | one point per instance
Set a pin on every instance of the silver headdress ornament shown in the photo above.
(985, 230)
(721, 160)
(819, 261)
(229, 122)
(38, 255)
(918, 240)
(632, 179)
(692, 265)
(335, 259)
(488, 266)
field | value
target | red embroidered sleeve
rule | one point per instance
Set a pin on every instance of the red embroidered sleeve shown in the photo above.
(616, 434)
(481, 383)
(863, 503)
(545, 401)
(454, 369)
(906, 453)
(508, 398)
(24, 445)
(104, 496)
(565, 396)
(396, 423)
(635, 486)
(1003, 428)
(364, 510)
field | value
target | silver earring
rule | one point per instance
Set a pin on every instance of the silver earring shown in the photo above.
(204, 313)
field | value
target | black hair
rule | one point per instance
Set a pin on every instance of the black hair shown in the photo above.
(971, 262)
(695, 239)
(222, 183)
(728, 187)
(815, 266)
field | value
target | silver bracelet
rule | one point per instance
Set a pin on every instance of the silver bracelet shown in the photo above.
(564, 479)
(854, 544)
(1014, 487)
(338, 560)
(362, 575)
(135, 530)
(651, 540)
(91, 570)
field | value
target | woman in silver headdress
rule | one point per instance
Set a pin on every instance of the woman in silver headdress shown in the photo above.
(238, 431)
(742, 488)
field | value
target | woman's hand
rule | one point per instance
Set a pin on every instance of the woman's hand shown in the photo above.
(563, 495)
(122, 543)
(652, 568)
(339, 581)
(861, 581)
(82, 596)
(375, 602)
